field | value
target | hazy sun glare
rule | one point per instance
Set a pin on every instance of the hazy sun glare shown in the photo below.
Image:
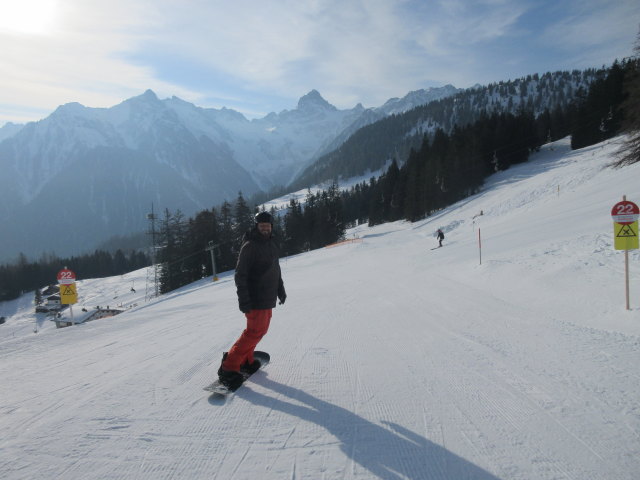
(27, 16)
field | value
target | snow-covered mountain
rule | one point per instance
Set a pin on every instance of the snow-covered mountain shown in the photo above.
(9, 129)
(275, 148)
(393, 106)
(416, 98)
(388, 361)
(400, 125)
(84, 174)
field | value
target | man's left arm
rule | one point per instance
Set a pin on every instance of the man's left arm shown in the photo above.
(282, 294)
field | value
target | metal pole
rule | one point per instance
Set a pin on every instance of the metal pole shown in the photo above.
(626, 269)
(211, 248)
(480, 245)
(626, 276)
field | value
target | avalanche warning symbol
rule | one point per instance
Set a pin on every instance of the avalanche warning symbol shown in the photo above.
(68, 294)
(626, 236)
(626, 231)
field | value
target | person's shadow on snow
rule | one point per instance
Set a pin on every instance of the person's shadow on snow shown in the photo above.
(392, 453)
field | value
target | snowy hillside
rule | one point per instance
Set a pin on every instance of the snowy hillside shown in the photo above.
(388, 361)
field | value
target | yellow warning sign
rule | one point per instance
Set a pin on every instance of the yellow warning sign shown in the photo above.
(626, 236)
(68, 294)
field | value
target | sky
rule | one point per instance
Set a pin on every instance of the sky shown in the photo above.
(258, 57)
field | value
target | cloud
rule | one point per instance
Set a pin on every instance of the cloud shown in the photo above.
(77, 60)
(290, 45)
(257, 56)
(465, 23)
(593, 34)
(596, 24)
(364, 51)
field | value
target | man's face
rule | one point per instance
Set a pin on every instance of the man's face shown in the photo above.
(265, 229)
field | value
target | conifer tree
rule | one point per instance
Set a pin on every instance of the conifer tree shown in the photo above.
(172, 233)
(294, 228)
(278, 223)
(335, 222)
(243, 218)
(412, 210)
(205, 231)
(229, 246)
(599, 117)
(309, 216)
(376, 203)
(630, 151)
(390, 193)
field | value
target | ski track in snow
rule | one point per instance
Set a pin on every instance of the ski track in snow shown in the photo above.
(388, 361)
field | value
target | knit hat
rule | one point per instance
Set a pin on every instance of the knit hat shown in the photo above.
(264, 217)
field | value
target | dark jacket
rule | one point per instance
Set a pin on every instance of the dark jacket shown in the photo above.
(258, 278)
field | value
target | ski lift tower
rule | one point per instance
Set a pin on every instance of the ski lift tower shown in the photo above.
(152, 272)
(211, 248)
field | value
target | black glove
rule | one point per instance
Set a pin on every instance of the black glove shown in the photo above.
(245, 308)
(282, 297)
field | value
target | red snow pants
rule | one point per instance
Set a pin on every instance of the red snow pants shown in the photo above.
(242, 351)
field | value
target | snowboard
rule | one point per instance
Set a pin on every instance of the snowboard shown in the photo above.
(217, 387)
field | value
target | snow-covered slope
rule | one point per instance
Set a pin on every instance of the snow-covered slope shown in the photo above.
(389, 360)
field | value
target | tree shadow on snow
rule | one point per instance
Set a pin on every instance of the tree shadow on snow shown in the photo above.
(392, 453)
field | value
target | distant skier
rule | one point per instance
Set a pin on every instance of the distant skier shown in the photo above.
(259, 284)
(440, 237)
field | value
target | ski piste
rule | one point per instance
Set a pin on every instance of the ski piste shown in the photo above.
(218, 388)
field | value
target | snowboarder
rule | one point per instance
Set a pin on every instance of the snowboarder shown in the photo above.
(258, 283)
(440, 237)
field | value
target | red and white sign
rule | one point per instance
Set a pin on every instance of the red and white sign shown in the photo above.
(66, 277)
(625, 212)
